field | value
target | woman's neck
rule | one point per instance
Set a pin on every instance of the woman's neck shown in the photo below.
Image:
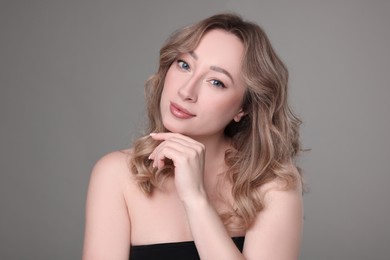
(216, 147)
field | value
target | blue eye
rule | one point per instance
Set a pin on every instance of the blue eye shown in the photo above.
(217, 83)
(183, 65)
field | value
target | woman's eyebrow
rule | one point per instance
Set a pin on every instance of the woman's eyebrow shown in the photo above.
(193, 55)
(219, 69)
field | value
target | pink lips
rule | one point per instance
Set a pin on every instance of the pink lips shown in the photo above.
(180, 112)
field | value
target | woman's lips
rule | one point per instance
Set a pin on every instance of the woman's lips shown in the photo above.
(180, 112)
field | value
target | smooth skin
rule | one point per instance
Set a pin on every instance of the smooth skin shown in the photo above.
(119, 214)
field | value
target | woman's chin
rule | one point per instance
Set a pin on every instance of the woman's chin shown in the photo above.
(177, 130)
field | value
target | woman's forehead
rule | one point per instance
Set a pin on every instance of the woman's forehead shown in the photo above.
(221, 49)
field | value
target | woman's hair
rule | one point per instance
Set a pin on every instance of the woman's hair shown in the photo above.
(265, 142)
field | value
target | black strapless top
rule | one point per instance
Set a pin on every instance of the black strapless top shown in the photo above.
(172, 251)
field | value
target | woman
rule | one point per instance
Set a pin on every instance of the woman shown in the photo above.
(215, 175)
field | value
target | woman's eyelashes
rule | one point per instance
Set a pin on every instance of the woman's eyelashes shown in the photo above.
(183, 65)
(217, 83)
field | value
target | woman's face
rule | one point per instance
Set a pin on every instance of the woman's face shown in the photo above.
(203, 89)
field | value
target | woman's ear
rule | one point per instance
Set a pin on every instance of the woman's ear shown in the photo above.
(239, 115)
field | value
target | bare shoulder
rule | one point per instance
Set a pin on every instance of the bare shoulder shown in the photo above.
(115, 160)
(112, 165)
(107, 228)
(278, 227)
(112, 172)
(279, 187)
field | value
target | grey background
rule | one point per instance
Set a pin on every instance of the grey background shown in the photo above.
(72, 74)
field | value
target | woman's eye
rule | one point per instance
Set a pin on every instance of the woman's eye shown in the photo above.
(217, 83)
(183, 65)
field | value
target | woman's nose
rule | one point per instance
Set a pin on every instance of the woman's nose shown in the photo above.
(189, 90)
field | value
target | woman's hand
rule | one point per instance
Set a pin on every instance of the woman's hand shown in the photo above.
(188, 160)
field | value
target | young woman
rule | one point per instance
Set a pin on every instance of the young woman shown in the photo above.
(215, 175)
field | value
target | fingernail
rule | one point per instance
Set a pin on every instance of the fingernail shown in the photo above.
(151, 134)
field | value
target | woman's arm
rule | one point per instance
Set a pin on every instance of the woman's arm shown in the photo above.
(210, 235)
(276, 232)
(107, 228)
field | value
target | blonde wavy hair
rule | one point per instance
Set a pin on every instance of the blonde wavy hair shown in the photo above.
(265, 142)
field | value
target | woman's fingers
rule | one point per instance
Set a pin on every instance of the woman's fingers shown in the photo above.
(177, 149)
(188, 159)
(169, 135)
(177, 142)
